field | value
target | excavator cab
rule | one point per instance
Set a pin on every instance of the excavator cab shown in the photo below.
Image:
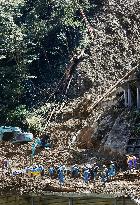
(8, 133)
(14, 135)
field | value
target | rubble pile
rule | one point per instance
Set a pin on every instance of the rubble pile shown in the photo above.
(123, 184)
(39, 185)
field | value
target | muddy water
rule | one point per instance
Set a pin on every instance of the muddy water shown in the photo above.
(63, 200)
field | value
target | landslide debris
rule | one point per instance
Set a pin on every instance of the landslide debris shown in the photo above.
(114, 50)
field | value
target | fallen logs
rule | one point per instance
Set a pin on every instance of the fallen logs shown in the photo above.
(55, 188)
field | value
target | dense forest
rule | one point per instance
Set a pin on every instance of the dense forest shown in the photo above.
(39, 39)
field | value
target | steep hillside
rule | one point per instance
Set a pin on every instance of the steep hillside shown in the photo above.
(56, 65)
(114, 51)
(115, 47)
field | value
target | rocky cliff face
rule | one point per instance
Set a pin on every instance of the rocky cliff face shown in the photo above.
(114, 132)
(118, 135)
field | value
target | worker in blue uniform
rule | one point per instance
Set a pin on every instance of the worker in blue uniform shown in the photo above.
(75, 171)
(51, 171)
(112, 170)
(94, 171)
(86, 174)
(60, 172)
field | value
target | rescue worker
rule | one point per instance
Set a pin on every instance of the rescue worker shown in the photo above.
(94, 171)
(60, 172)
(104, 174)
(112, 170)
(130, 161)
(86, 174)
(134, 162)
(75, 171)
(51, 171)
(34, 170)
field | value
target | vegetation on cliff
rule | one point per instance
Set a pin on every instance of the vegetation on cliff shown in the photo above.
(38, 41)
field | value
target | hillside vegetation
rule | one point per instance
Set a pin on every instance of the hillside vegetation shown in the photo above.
(38, 91)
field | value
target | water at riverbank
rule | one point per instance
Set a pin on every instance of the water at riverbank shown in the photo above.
(64, 200)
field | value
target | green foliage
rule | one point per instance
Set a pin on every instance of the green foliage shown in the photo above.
(37, 38)
(18, 116)
(12, 70)
(35, 123)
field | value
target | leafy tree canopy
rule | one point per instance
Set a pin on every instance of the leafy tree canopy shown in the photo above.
(37, 38)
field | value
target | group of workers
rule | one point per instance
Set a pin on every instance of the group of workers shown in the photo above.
(88, 172)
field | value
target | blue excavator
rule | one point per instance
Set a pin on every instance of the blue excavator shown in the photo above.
(14, 135)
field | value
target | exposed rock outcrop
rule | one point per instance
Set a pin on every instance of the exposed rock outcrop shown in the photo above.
(118, 136)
